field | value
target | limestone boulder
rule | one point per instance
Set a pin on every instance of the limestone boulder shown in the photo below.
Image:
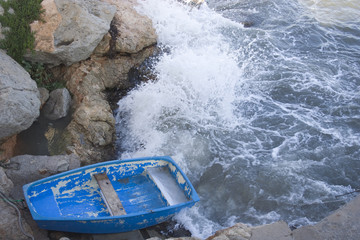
(92, 129)
(239, 232)
(130, 31)
(71, 30)
(96, 118)
(19, 98)
(58, 104)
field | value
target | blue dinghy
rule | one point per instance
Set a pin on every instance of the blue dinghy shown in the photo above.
(111, 197)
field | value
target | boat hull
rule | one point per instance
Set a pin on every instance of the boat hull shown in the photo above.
(109, 225)
(73, 201)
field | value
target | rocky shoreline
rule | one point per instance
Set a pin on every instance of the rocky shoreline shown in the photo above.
(92, 47)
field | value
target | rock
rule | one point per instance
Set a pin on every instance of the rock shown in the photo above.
(274, 231)
(9, 226)
(237, 232)
(58, 104)
(7, 149)
(28, 168)
(131, 30)
(19, 98)
(177, 238)
(44, 96)
(247, 24)
(58, 141)
(96, 118)
(5, 183)
(92, 129)
(134, 235)
(342, 224)
(71, 30)
(103, 49)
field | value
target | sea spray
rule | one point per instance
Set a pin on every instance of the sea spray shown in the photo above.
(264, 120)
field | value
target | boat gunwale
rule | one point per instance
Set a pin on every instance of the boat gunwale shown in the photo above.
(192, 200)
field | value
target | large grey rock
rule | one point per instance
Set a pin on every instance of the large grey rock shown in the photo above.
(9, 225)
(28, 168)
(342, 224)
(274, 231)
(71, 31)
(131, 30)
(19, 98)
(58, 104)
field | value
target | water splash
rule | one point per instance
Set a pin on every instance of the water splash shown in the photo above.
(264, 120)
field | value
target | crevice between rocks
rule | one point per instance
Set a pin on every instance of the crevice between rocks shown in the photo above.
(112, 44)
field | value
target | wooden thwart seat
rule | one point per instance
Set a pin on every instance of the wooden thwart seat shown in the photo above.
(109, 195)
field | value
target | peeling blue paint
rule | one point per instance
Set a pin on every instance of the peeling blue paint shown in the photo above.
(72, 201)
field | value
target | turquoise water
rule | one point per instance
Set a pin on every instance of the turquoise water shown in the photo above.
(264, 120)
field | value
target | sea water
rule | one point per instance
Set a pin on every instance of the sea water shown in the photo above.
(258, 101)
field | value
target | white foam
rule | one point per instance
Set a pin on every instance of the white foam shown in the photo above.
(251, 153)
(195, 82)
(193, 220)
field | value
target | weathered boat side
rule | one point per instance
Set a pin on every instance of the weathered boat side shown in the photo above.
(72, 201)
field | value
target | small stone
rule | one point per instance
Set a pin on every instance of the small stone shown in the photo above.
(44, 96)
(43, 171)
(58, 104)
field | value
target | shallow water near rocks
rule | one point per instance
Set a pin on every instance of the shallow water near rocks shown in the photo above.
(35, 140)
(264, 120)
